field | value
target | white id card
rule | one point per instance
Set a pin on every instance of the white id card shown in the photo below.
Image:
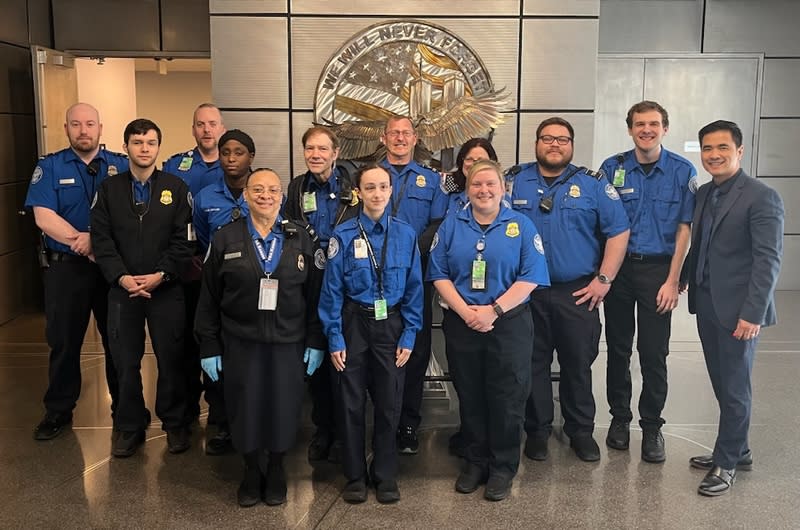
(268, 295)
(190, 235)
(360, 248)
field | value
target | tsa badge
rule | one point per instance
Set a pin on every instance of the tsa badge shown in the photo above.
(166, 197)
(333, 248)
(611, 192)
(537, 243)
(319, 259)
(574, 191)
(354, 199)
(37, 175)
(421, 182)
(512, 230)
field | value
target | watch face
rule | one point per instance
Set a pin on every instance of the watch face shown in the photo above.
(603, 278)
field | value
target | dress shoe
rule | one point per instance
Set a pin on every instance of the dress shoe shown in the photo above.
(355, 491)
(407, 441)
(51, 426)
(717, 482)
(320, 446)
(275, 490)
(497, 488)
(126, 443)
(707, 462)
(585, 447)
(456, 445)
(470, 478)
(220, 443)
(387, 492)
(335, 452)
(178, 440)
(619, 435)
(536, 447)
(653, 446)
(249, 492)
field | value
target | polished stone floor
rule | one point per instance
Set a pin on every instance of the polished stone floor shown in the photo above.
(71, 482)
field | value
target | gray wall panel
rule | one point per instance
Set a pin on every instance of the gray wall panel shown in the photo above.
(561, 7)
(780, 96)
(184, 25)
(768, 26)
(584, 132)
(778, 155)
(650, 26)
(505, 142)
(17, 148)
(40, 22)
(415, 8)
(301, 121)
(249, 68)
(19, 283)
(270, 133)
(12, 196)
(789, 189)
(73, 18)
(16, 80)
(217, 7)
(558, 72)
(14, 22)
(790, 267)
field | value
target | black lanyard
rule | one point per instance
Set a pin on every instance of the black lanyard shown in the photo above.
(561, 181)
(378, 268)
(396, 203)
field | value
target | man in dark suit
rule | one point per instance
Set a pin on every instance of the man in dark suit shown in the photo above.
(733, 267)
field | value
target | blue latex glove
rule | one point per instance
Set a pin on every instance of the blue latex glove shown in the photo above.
(313, 358)
(212, 366)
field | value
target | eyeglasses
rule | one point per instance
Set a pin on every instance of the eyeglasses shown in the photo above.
(562, 140)
(261, 190)
(397, 134)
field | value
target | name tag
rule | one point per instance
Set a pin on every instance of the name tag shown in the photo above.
(233, 255)
(66, 181)
(625, 191)
(521, 201)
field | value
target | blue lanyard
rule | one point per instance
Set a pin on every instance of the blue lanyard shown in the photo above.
(266, 259)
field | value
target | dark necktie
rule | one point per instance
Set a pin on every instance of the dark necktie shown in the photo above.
(706, 223)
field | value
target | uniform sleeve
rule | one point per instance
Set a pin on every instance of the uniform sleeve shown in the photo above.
(315, 337)
(533, 265)
(180, 249)
(688, 190)
(105, 249)
(207, 317)
(438, 268)
(331, 298)
(411, 304)
(42, 191)
(440, 201)
(608, 168)
(612, 216)
(170, 165)
(202, 229)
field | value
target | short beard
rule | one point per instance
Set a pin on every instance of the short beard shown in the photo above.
(553, 167)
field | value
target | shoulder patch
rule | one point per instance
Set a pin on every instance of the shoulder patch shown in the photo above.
(333, 247)
(693, 184)
(319, 259)
(611, 191)
(435, 240)
(37, 174)
(537, 243)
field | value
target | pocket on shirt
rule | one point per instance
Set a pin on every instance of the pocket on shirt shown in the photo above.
(667, 204)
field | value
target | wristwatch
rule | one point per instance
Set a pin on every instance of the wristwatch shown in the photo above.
(602, 278)
(497, 309)
(165, 277)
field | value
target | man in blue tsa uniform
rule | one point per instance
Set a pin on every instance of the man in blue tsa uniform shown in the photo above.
(657, 190)
(576, 213)
(60, 194)
(371, 311)
(320, 199)
(140, 223)
(418, 199)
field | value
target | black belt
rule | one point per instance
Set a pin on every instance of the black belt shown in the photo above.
(647, 258)
(368, 310)
(66, 257)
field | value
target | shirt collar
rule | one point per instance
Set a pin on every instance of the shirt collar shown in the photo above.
(276, 228)
(726, 186)
(330, 186)
(369, 225)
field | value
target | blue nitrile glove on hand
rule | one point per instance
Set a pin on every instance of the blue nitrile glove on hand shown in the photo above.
(212, 366)
(313, 358)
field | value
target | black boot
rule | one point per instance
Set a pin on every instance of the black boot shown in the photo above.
(249, 493)
(275, 493)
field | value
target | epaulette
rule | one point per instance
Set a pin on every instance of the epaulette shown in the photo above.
(110, 152)
(189, 153)
(596, 174)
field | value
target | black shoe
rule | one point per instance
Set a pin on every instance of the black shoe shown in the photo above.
(275, 489)
(355, 491)
(619, 435)
(456, 445)
(707, 462)
(717, 482)
(585, 447)
(470, 478)
(536, 447)
(220, 443)
(335, 452)
(320, 446)
(653, 446)
(51, 426)
(498, 488)
(407, 442)
(178, 440)
(249, 492)
(387, 492)
(126, 443)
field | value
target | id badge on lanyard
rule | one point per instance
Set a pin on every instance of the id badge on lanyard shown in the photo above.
(268, 294)
(309, 202)
(478, 275)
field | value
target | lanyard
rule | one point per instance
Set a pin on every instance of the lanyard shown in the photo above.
(262, 255)
(378, 268)
(396, 202)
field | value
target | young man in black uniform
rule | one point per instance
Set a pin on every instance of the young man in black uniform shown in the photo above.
(140, 229)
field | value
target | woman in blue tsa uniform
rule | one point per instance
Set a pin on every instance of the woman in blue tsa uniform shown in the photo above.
(371, 310)
(485, 262)
(474, 150)
(257, 324)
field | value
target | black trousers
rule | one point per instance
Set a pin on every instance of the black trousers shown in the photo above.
(165, 320)
(73, 290)
(730, 365)
(417, 364)
(491, 372)
(574, 332)
(323, 409)
(370, 366)
(196, 379)
(636, 286)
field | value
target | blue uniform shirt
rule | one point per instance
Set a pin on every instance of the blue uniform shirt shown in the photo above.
(417, 195)
(268, 249)
(512, 251)
(141, 190)
(64, 184)
(214, 208)
(189, 166)
(583, 208)
(655, 203)
(323, 218)
(351, 278)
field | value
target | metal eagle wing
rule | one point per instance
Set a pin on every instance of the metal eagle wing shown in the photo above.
(358, 138)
